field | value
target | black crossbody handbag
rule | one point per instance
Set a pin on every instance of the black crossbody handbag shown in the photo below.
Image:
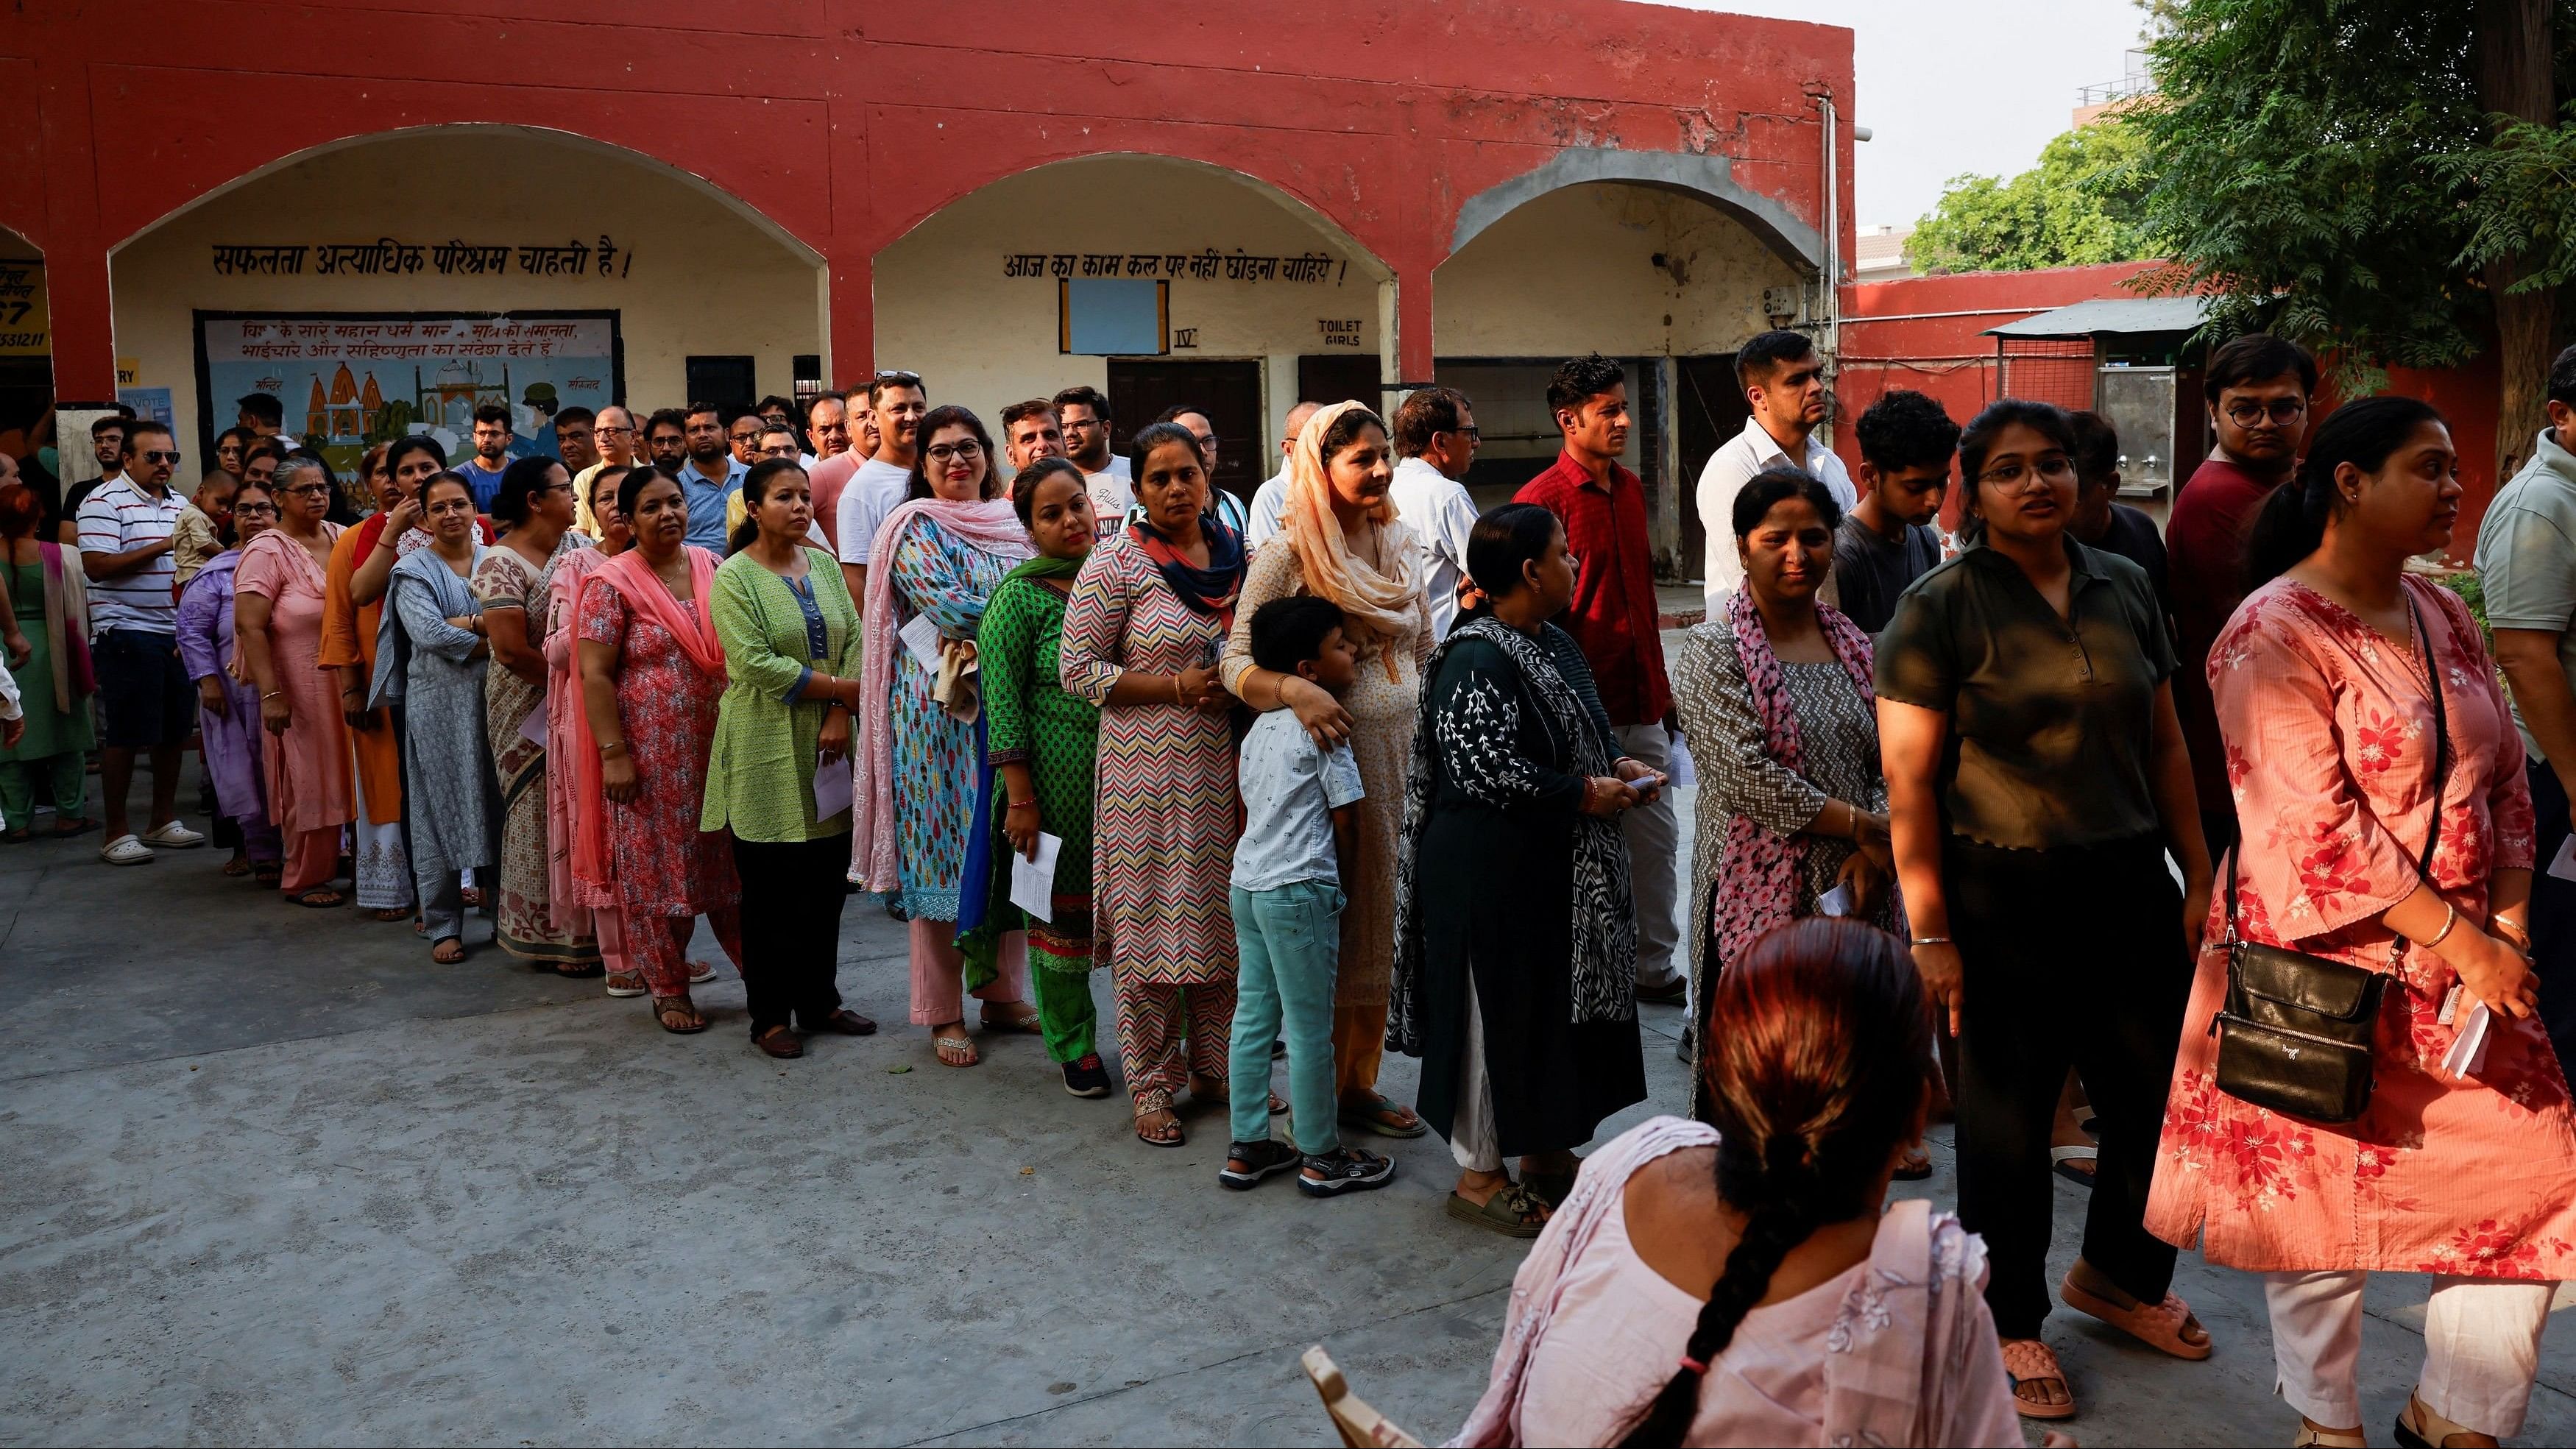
(2294, 1036)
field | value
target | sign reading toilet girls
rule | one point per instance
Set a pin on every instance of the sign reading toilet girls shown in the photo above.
(350, 380)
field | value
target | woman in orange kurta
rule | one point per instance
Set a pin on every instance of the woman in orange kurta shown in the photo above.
(2324, 680)
(349, 648)
(277, 589)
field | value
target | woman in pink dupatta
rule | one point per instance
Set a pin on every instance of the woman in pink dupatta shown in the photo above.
(1740, 1284)
(2324, 680)
(937, 559)
(579, 908)
(651, 674)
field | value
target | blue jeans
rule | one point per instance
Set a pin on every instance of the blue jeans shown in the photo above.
(1289, 942)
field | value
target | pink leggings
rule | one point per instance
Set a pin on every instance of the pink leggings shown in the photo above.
(939, 973)
(658, 946)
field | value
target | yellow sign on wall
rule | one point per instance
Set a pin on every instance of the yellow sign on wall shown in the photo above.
(25, 329)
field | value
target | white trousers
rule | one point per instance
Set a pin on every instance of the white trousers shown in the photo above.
(1654, 835)
(2481, 1347)
(1472, 1139)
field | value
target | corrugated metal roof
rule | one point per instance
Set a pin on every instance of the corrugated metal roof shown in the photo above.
(2111, 315)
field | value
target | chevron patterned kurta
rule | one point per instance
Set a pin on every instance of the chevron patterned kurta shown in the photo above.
(1164, 830)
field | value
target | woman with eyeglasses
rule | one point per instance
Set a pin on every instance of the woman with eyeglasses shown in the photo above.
(228, 717)
(536, 502)
(278, 589)
(938, 557)
(432, 655)
(2036, 780)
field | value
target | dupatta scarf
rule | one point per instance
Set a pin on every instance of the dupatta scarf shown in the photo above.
(67, 627)
(634, 582)
(990, 525)
(1757, 870)
(1382, 603)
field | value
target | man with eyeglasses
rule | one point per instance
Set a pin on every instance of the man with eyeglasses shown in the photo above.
(614, 433)
(1784, 380)
(711, 476)
(742, 435)
(145, 700)
(2258, 388)
(1083, 414)
(877, 485)
(1270, 500)
(666, 438)
(1435, 445)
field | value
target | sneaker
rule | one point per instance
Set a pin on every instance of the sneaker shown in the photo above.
(1348, 1170)
(1086, 1077)
(173, 836)
(126, 850)
(1669, 993)
(1265, 1158)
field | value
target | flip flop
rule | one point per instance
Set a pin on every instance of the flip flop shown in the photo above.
(1029, 1021)
(2059, 1157)
(305, 899)
(948, 1044)
(1376, 1114)
(2157, 1325)
(1916, 1166)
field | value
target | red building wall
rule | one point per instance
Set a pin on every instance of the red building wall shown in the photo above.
(847, 124)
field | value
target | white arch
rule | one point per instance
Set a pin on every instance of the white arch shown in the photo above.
(1708, 178)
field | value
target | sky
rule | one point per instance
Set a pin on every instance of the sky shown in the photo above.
(1941, 94)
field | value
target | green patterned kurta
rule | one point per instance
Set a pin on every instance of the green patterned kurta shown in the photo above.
(1029, 717)
(760, 765)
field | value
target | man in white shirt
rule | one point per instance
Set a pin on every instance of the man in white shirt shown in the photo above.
(145, 699)
(896, 401)
(1083, 415)
(1435, 443)
(1784, 379)
(1270, 500)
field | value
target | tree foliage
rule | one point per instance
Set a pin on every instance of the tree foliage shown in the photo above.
(2078, 206)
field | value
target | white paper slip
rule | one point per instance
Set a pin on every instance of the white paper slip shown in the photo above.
(2563, 864)
(1835, 902)
(831, 788)
(533, 728)
(1684, 775)
(2468, 1049)
(1033, 881)
(921, 636)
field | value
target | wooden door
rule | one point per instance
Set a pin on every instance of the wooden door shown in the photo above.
(1140, 388)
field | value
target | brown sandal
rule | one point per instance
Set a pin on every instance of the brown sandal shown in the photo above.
(779, 1043)
(679, 1015)
(2157, 1325)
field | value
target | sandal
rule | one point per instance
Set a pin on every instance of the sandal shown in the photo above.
(440, 949)
(956, 1051)
(322, 898)
(1914, 1166)
(625, 983)
(1026, 1019)
(779, 1043)
(2159, 1325)
(678, 1015)
(2420, 1428)
(470, 897)
(267, 873)
(20, 836)
(1247, 1163)
(66, 829)
(235, 868)
(1168, 1132)
(2029, 1361)
(1512, 1211)
(1552, 1188)
(391, 913)
(1374, 1113)
(2309, 1436)
(2062, 1160)
(580, 970)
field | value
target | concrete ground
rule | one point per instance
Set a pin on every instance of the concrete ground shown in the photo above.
(272, 1176)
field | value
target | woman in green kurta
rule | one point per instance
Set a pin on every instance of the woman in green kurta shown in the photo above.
(1041, 741)
(47, 612)
(790, 636)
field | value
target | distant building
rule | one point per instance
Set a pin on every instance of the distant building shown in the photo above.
(1879, 254)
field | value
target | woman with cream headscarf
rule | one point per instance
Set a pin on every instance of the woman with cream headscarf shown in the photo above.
(1340, 540)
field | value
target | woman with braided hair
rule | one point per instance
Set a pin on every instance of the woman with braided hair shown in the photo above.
(1739, 1284)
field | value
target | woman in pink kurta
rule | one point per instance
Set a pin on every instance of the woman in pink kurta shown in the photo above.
(306, 762)
(2328, 721)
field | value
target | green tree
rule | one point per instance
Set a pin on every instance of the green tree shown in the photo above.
(2078, 206)
(2372, 177)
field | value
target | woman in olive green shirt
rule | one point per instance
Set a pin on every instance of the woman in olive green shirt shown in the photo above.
(791, 644)
(2036, 778)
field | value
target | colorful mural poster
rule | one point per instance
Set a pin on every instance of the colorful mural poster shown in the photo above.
(350, 380)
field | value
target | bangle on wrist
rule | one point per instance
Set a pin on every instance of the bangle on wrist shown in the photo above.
(613, 747)
(1028, 803)
(1933, 941)
(1176, 691)
(2450, 918)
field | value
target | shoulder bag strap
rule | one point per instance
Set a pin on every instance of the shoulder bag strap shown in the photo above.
(2441, 739)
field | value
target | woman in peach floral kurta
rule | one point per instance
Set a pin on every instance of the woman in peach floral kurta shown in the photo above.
(2327, 726)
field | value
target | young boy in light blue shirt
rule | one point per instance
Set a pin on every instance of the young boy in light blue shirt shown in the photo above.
(1288, 900)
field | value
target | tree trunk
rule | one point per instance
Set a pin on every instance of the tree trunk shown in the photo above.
(2514, 50)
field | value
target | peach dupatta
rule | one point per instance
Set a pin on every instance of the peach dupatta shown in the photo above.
(695, 629)
(1382, 603)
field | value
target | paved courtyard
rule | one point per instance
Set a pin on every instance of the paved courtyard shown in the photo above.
(272, 1176)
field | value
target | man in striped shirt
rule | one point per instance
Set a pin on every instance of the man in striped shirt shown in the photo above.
(144, 695)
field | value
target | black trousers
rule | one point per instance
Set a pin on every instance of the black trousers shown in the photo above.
(792, 893)
(2553, 913)
(2073, 957)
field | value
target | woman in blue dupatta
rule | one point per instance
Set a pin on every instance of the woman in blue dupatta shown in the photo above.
(431, 654)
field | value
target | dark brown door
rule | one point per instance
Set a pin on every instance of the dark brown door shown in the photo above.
(727, 382)
(1710, 410)
(1331, 377)
(1229, 393)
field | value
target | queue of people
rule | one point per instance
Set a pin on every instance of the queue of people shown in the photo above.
(1359, 768)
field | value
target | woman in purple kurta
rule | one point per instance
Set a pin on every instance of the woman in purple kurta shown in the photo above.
(228, 713)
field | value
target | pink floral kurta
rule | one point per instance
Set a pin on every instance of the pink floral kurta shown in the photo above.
(2329, 754)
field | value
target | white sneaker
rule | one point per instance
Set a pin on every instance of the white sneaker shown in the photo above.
(125, 850)
(174, 836)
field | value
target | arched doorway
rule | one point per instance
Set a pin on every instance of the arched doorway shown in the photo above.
(1659, 275)
(1155, 279)
(395, 282)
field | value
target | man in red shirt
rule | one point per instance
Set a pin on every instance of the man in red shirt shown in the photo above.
(2258, 389)
(1613, 616)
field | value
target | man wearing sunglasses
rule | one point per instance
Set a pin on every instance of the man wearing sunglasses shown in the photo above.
(145, 700)
(2258, 388)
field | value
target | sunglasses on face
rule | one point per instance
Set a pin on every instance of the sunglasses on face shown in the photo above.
(155, 455)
